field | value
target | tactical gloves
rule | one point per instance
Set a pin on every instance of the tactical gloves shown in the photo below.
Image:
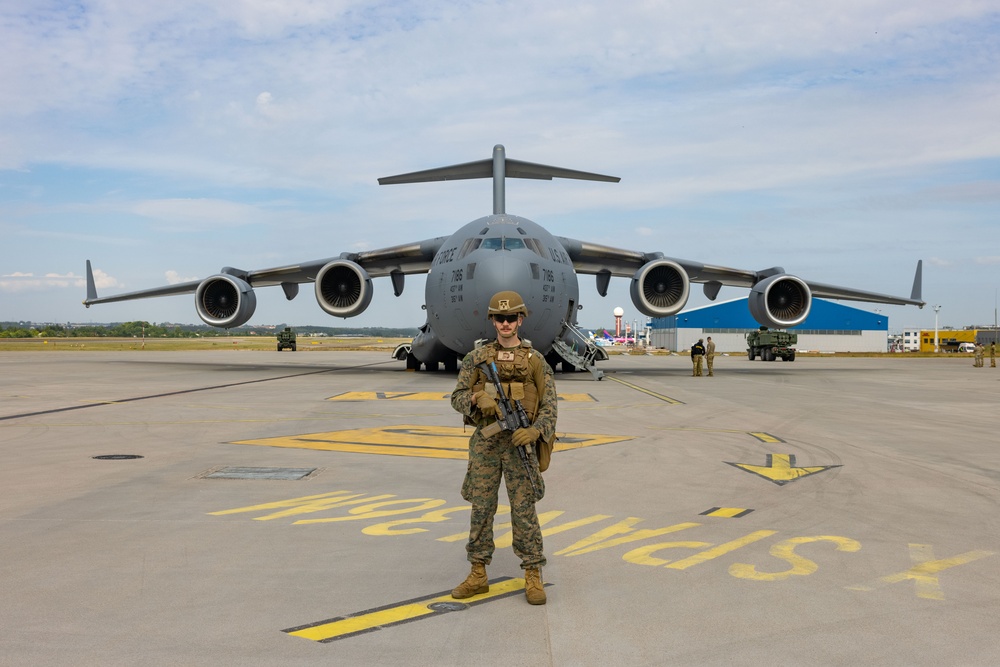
(487, 405)
(525, 436)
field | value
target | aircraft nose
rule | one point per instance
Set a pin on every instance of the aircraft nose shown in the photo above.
(498, 271)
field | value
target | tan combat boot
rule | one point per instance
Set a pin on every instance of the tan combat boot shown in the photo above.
(474, 584)
(533, 588)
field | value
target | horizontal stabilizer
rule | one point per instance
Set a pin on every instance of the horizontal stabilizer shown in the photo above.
(499, 168)
(484, 169)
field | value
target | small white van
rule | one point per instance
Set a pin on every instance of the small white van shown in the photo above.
(966, 347)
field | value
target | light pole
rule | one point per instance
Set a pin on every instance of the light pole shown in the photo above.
(937, 309)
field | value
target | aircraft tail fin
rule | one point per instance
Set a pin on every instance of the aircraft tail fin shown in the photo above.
(498, 168)
(91, 286)
(918, 280)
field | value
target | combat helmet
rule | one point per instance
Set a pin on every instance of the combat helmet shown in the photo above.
(507, 302)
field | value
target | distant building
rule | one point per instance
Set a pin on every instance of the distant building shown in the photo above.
(830, 327)
(911, 340)
(950, 339)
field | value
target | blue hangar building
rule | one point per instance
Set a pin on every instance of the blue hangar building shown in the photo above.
(830, 327)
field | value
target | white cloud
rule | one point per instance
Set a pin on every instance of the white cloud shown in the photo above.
(173, 278)
(29, 282)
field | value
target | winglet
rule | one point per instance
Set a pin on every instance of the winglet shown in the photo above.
(91, 287)
(918, 283)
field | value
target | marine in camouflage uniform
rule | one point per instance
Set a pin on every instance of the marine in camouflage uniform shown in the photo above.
(525, 376)
(710, 356)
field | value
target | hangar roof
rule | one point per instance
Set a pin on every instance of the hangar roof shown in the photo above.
(823, 316)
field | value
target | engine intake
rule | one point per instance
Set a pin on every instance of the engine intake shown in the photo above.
(660, 288)
(343, 288)
(780, 301)
(225, 301)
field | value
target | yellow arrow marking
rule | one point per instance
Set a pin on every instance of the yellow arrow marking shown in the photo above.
(432, 396)
(436, 604)
(434, 442)
(781, 469)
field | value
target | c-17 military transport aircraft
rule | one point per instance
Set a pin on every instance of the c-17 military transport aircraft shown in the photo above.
(503, 252)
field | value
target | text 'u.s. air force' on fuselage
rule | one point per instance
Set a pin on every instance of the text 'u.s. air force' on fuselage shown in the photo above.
(504, 252)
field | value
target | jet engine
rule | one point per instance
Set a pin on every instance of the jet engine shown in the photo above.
(780, 301)
(660, 288)
(343, 288)
(225, 301)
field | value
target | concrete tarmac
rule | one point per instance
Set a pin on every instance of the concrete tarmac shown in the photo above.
(304, 508)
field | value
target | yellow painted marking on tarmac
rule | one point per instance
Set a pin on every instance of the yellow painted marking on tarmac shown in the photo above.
(727, 512)
(436, 442)
(800, 566)
(307, 504)
(719, 550)
(391, 396)
(665, 399)
(924, 571)
(432, 396)
(765, 437)
(781, 469)
(411, 610)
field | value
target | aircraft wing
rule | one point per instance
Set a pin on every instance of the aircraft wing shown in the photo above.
(401, 259)
(606, 261)
(394, 261)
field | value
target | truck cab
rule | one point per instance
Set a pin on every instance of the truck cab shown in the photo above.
(286, 338)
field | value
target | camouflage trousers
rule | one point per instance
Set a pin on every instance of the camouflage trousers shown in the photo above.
(696, 362)
(489, 459)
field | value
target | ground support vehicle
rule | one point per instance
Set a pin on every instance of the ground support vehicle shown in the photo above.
(770, 345)
(286, 338)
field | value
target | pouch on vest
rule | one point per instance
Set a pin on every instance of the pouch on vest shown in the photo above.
(543, 450)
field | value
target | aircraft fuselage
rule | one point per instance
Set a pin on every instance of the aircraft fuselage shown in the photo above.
(494, 253)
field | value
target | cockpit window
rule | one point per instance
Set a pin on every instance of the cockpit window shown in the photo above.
(536, 247)
(469, 245)
(503, 243)
(506, 243)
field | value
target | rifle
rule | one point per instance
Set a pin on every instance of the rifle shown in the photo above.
(512, 417)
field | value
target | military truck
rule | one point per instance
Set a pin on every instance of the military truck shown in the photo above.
(286, 338)
(770, 345)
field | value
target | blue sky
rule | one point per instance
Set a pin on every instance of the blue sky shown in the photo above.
(163, 141)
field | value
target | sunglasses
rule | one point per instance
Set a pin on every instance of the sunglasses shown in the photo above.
(505, 318)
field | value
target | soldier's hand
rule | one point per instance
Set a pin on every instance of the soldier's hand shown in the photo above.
(487, 405)
(525, 436)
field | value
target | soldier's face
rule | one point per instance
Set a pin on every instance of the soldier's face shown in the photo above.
(506, 329)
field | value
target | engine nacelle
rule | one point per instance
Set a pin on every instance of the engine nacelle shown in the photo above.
(660, 288)
(780, 301)
(225, 301)
(343, 288)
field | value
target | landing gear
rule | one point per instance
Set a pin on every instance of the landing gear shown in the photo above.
(411, 363)
(450, 363)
